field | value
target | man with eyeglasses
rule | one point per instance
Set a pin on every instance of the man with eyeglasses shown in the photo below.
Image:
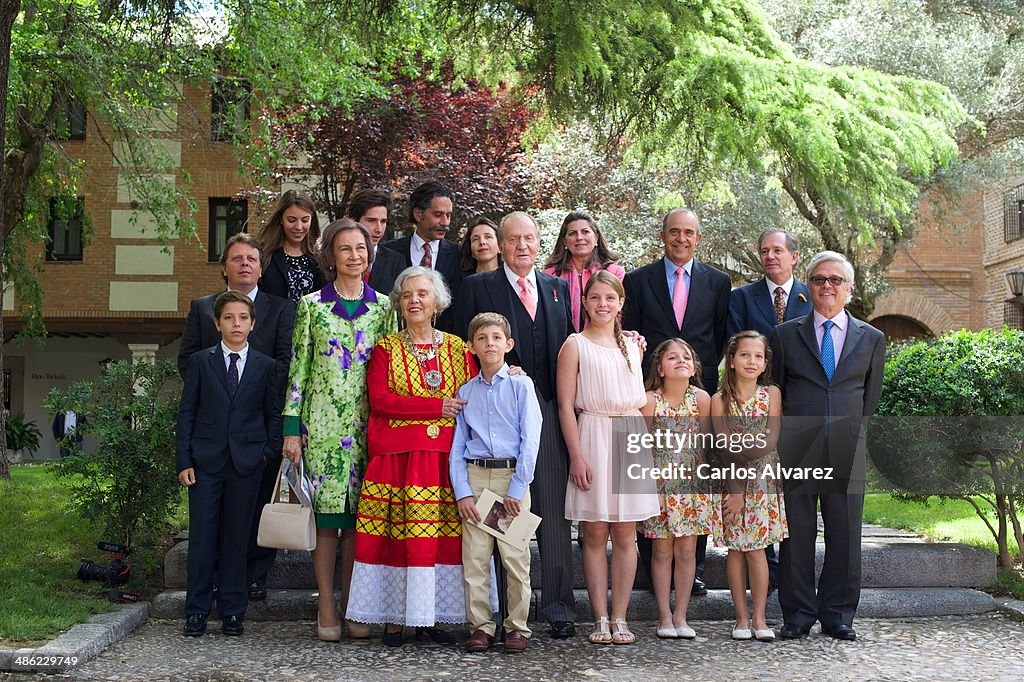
(829, 367)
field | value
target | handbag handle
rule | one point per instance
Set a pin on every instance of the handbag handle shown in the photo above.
(277, 485)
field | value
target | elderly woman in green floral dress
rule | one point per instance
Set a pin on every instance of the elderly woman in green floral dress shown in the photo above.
(326, 411)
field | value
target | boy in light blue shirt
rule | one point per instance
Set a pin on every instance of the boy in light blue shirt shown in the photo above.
(497, 436)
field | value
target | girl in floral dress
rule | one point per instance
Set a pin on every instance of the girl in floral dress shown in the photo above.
(753, 510)
(676, 404)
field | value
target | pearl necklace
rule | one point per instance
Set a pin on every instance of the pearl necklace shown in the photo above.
(362, 290)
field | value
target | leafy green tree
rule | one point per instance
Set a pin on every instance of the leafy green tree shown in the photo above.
(949, 423)
(125, 483)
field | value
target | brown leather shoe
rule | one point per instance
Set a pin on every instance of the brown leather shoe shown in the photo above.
(479, 641)
(515, 643)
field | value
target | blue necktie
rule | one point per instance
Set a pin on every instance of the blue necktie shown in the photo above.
(828, 350)
(233, 374)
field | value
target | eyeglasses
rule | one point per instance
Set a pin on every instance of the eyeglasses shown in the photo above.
(819, 281)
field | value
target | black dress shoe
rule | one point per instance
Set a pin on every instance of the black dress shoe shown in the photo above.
(257, 592)
(843, 632)
(195, 625)
(790, 631)
(392, 638)
(231, 626)
(562, 629)
(699, 588)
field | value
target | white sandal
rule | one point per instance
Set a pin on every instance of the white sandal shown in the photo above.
(601, 633)
(622, 634)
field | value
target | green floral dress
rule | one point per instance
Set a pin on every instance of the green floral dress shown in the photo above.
(327, 402)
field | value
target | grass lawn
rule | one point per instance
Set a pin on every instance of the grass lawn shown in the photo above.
(953, 520)
(41, 544)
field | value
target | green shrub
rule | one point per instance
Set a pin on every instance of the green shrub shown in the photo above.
(22, 434)
(949, 423)
(127, 483)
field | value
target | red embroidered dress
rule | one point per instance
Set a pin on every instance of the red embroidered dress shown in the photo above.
(408, 567)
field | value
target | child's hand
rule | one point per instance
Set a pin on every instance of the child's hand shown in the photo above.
(580, 474)
(512, 506)
(467, 509)
(733, 504)
(187, 477)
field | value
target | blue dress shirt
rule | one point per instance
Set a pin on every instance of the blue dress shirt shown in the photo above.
(500, 419)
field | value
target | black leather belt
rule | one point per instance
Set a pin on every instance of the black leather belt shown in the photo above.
(494, 462)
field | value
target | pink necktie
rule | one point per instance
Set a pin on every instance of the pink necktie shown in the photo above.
(679, 296)
(526, 298)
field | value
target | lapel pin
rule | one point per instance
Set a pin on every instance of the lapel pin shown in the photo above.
(554, 293)
(802, 298)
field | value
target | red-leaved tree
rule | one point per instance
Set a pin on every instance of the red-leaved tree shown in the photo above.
(467, 136)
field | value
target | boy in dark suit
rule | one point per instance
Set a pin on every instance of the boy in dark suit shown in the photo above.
(229, 426)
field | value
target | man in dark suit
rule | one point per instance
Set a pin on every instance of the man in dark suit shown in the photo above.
(229, 427)
(370, 207)
(430, 210)
(775, 298)
(678, 296)
(829, 367)
(770, 301)
(242, 264)
(537, 308)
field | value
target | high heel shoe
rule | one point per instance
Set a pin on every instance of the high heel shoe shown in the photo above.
(331, 634)
(357, 630)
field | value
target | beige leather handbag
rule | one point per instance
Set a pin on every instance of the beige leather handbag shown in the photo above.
(284, 525)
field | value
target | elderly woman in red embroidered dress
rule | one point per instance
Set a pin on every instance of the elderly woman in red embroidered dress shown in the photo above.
(408, 569)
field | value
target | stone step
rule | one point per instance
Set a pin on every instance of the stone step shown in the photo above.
(298, 604)
(887, 561)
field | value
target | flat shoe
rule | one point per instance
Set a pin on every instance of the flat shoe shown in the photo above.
(742, 633)
(392, 638)
(668, 633)
(601, 633)
(686, 632)
(766, 635)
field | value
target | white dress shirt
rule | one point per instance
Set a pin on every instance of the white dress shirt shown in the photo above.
(787, 286)
(531, 281)
(416, 247)
(240, 364)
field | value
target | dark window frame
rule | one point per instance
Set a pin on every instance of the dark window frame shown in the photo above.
(229, 108)
(66, 235)
(71, 122)
(235, 217)
(1013, 313)
(1013, 214)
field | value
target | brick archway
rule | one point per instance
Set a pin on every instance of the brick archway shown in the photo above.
(916, 307)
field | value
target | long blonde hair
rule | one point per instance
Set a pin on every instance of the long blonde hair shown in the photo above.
(605, 277)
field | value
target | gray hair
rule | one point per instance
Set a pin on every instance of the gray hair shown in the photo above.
(516, 214)
(441, 292)
(824, 257)
(792, 244)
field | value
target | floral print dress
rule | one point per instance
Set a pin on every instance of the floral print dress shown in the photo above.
(688, 506)
(327, 402)
(763, 519)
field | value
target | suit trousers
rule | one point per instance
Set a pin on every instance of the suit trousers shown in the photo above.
(260, 559)
(220, 511)
(477, 549)
(557, 602)
(838, 590)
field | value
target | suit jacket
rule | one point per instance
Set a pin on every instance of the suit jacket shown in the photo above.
(272, 335)
(387, 265)
(275, 278)
(491, 292)
(213, 425)
(753, 307)
(447, 264)
(649, 311)
(808, 396)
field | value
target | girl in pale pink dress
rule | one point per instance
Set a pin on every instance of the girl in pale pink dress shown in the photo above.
(677, 405)
(753, 509)
(599, 376)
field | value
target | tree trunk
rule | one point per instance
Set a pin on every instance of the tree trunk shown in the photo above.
(8, 13)
(1002, 544)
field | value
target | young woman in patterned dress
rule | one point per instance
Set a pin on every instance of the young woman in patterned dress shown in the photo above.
(753, 509)
(677, 404)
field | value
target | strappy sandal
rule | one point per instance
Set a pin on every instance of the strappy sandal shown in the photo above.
(622, 634)
(601, 633)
